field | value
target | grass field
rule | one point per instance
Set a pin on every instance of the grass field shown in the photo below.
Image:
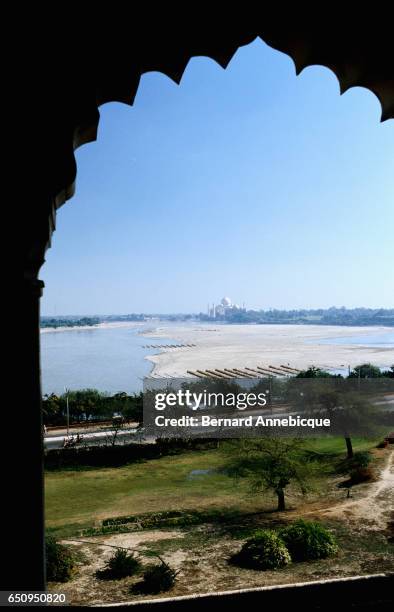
(82, 498)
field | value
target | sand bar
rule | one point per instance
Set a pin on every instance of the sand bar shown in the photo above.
(300, 346)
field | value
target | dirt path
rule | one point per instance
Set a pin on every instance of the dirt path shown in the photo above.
(376, 508)
(85, 587)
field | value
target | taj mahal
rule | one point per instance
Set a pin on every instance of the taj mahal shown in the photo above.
(224, 308)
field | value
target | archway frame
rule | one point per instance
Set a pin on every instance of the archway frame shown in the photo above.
(95, 74)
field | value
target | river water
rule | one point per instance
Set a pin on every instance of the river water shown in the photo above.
(113, 358)
(109, 359)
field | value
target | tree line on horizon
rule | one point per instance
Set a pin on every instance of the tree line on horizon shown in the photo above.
(90, 405)
(320, 316)
(53, 322)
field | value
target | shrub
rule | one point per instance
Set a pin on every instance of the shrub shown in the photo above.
(361, 474)
(307, 540)
(120, 565)
(59, 561)
(265, 550)
(361, 459)
(157, 578)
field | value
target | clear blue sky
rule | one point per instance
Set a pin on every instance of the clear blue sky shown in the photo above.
(248, 182)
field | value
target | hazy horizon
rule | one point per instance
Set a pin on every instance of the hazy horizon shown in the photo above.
(248, 182)
(155, 313)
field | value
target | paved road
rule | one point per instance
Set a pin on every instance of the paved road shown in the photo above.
(129, 434)
(93, 438)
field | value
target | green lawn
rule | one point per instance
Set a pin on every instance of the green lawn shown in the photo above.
(161, 484)
(336, 446)
(82, 498)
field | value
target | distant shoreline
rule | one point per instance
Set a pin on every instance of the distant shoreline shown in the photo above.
(104, 325)
(180, 322)
(231, 314)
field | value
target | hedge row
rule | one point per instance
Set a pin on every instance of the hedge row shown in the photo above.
(121, 454)
(159, 520)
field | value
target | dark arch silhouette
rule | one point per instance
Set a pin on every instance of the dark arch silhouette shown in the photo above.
(101, 62)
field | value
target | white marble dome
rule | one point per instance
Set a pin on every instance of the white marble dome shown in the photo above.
(225, 301)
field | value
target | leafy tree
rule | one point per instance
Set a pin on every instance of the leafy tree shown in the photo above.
(348, 412)
(270, 464)
(52, 409)
(389, 373)
(365, 370)
(337, 399)
(314, 372)
(131, 407)
(85, 404)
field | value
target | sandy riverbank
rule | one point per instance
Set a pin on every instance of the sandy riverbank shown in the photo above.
(301, 346)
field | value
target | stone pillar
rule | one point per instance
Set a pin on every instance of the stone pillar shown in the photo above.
(29, 574)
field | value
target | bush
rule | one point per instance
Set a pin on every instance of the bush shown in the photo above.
(307, 540)
(265, 550)
(59, 561)
(120, 565)
(157, 578)
(361, 460)
(361, 474)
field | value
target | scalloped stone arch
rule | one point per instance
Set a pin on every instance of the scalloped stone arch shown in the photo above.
(73, 79)
(103, 73)
(346, 81)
